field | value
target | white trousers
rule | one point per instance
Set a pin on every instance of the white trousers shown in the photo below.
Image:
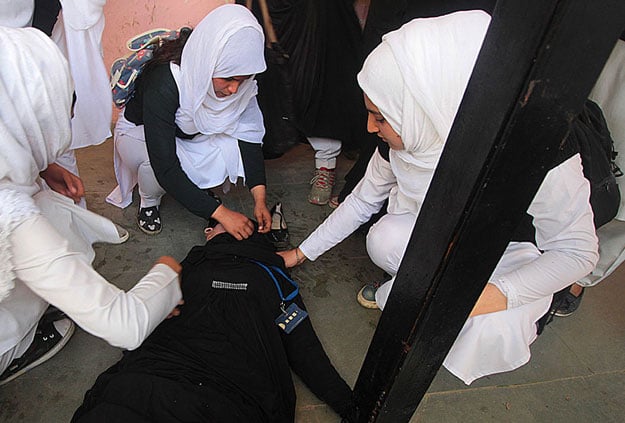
(326, 151)
(135, 154)
(487, 344)
(386, 244)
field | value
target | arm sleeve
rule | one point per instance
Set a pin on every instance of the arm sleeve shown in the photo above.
(253, 163)
(565, 234)
(160, 102)
(367, 199)
(43, 261)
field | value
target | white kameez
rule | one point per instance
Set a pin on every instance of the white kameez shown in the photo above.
(39, 262)
(53, 265)
(78, 33)
(16, 13)
(564, 229)
(201, 159)
(426, 98)
(82, 46)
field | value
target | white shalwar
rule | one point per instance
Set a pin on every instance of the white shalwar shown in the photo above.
(202, 159)
(416, 77)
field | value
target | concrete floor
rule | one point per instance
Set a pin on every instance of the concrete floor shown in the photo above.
(576, 374)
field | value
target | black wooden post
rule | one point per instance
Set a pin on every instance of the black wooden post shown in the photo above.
(538, 63)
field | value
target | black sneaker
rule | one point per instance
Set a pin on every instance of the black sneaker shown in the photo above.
(52, 314)
(149, 220)
(50, 337)
(563, 304)
(568, 303)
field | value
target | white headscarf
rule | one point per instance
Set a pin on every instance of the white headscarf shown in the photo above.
(35, 103)
(227, 42)
(417, 77)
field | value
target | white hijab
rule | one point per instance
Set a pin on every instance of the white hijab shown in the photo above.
(227, 42)
(417, 77)
(35, 102)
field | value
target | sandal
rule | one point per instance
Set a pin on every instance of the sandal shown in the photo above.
(149, 220)
(279, 233)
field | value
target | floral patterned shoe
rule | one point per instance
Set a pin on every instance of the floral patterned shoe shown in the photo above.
(149, 220)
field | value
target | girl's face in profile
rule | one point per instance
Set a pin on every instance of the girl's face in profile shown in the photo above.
(377, 124)
(225, 87)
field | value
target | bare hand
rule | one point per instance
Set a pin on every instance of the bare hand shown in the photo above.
(171, 262)
(235, 223)
(491, 300)
(176, 311)
(63, 181)
(263, 217)
(261, 212)
(292, 257)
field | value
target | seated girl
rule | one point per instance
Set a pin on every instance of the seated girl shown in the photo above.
(413, 84)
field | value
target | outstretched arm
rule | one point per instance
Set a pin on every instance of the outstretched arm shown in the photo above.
(293, 257)
(44, 262)
(367, 199)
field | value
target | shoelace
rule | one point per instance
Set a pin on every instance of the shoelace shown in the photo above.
(323, 178)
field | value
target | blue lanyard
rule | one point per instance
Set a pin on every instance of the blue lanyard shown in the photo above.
(275, 281)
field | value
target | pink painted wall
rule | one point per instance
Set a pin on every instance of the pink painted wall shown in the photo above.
(125, 19)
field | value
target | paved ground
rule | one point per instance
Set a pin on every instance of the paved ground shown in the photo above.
(577, 371)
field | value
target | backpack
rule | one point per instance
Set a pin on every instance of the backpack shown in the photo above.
(126, 69)
(591, 137)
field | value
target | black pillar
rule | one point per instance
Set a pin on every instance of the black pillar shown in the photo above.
(538, 63)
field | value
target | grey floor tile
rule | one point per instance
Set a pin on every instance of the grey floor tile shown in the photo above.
(577, 370)
(597, 398)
